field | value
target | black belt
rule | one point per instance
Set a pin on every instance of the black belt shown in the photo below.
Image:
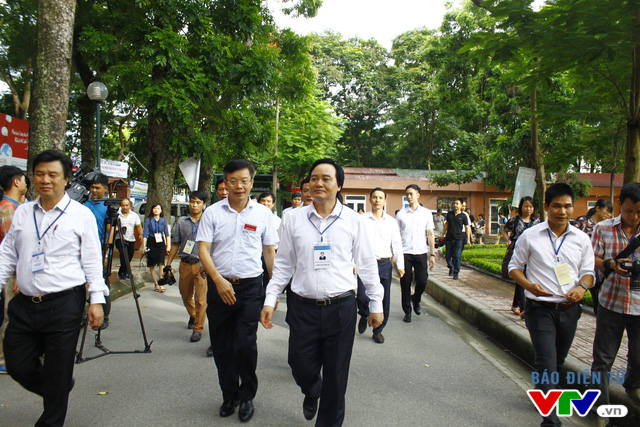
(323, 302)
(237, 281)
(37, 299)
(560, 306)
(383, 259)
(190, 260)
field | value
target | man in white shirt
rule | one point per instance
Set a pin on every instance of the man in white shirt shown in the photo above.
(233, 234)
(54, 248)
(387, 243)
(559, 265)
(129, 222)
(321, 306)
(419, 248)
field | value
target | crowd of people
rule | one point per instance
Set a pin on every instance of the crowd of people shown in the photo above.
(238, 257)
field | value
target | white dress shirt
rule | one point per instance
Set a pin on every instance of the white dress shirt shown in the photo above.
(536, 251)
(344, 230)
(237, 237)
(276, 227)
(386, 237)
(72, 251)
(413, 228)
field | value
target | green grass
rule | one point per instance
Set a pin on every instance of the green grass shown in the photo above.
(489, 258)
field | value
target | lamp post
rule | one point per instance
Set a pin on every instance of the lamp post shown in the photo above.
(97, 91)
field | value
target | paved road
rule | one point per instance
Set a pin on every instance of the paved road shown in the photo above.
(435, 371)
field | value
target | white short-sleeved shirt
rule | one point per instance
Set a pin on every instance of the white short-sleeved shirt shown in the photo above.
(413, 228)
(129, 222)
(237, 237)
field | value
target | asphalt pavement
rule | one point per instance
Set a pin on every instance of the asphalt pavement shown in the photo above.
(435, 371)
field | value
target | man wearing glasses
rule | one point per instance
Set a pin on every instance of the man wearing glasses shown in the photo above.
(233, 234)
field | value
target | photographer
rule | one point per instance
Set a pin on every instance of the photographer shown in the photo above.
(619, 298)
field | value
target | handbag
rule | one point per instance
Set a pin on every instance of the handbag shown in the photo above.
(505, 263)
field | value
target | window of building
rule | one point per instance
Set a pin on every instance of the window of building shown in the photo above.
(356, 202)
(494, 206)
(446, 203)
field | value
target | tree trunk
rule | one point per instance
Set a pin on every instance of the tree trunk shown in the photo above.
(50, 104)
(632, 158)
(538, 162)
(274, 184)
(206, 178)
(162, 164)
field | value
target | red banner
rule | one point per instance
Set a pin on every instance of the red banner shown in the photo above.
(14, 141)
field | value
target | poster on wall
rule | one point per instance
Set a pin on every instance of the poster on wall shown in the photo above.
(14, 141)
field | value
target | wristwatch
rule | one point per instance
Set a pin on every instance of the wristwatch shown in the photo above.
(584, 286)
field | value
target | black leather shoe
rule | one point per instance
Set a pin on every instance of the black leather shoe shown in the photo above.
(191, 322)
(416, 307)
(228, 408)
(362, 325)
(196, 336)
(210, 352)
(246, 411)
(407, 318)
(450, 271)
(309, 407)
(378, 338)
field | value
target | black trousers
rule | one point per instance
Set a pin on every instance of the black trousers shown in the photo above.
(233, 332)
(50, 328)
(129, 249)
(384, 271)
(551, 333)
(419, 265)
(321, 338)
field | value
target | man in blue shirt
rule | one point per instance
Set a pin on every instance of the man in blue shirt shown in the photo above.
(99, 187)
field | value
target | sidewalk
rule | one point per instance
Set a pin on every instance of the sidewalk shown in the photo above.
(485, 301)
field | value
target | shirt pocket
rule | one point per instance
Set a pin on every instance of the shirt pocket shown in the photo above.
(252, 234)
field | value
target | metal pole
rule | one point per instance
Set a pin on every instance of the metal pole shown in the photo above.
(98, 135)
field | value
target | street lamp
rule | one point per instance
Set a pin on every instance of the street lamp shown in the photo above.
(97, 91)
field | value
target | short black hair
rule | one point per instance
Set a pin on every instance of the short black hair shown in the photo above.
(98, 178)
(199, 195)
(306, 180)
(218, 182)
(439, 210)
(265, 195)
(458, 199)
(378, 189)
(296, 194)
(48, 156)
(556, 190)
(414, 187)
(631, 191)
(236, 165)
(521, 204)
(8, 174)
(328, 161)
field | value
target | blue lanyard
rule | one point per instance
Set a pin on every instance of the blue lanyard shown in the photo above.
(526, 224)
(50, 225)
(327, 227)
(633, 255)
(557, 251)
(156, 228)
(193, 233)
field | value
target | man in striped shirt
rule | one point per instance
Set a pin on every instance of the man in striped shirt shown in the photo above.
(619, 301)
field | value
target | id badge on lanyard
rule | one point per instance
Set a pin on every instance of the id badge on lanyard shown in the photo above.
(321, 255)
(188, 247)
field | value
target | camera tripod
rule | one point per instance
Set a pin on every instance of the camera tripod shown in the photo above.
(113, 221)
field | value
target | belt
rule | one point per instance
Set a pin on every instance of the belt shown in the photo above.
(560, 306)
(37, 299)
(323, 302)
(237, 281)
(383, 259)
(190, 260)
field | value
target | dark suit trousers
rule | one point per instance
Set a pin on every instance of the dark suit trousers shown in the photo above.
(233, 332)
(419, 265)
(384, 271)
(551, 333)
(50, 328)
(321, 338)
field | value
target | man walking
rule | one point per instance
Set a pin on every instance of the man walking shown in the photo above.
(455, 237)
(321, 306)
(619, 297)
(233, 234)
(130, 223)
(559, 269)
(192, 283)
(418, 246)
(54, 249)
(383, 229)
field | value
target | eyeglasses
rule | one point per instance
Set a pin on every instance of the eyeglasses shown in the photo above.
(235, 183)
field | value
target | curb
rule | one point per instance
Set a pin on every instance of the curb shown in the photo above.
(516, 339)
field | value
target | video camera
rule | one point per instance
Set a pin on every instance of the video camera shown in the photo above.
(633, 267)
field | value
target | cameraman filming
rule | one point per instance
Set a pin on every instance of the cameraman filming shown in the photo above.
(619, 297)
(99, 187)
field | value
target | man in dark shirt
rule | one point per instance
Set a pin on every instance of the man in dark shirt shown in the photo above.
(455, 237)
